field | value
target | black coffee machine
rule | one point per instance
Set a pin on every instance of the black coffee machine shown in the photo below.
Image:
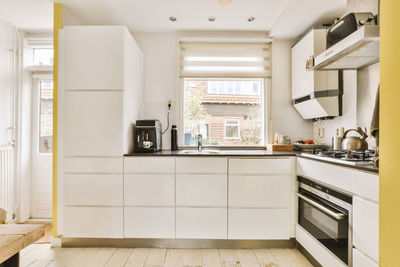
(147, 136)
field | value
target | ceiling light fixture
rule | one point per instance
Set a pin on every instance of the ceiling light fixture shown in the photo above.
(172, 18)
(251, 19)
(211, 19)
(225, 2)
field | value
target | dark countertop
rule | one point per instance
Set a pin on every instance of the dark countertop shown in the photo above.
(246, 153)
(223, 153)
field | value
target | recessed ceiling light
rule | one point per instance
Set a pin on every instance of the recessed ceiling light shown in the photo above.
(172, 18)
(211, 19)
(251, 19)
(225, 2)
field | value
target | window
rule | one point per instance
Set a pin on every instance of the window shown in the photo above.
(232, 129)
(43, 56)
(46, 116)
(223, 93)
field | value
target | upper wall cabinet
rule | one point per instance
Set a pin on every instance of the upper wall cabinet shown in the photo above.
(100, 90)
(314, 93)
(94, 57)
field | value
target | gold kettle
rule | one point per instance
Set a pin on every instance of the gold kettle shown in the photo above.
(355, 143)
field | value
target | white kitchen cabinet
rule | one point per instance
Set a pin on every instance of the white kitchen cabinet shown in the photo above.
(93, 124)
(316, 249)
(96, 60)
(149, 190)
(257, 191)
(93, 222)
(360, 260)
(201, 190)
(202, 223)
(366, 227)
(149, 222)
(93, 189)
(203, 165)
(305, 81)
(261, 166)
(147, 164)
(93, 165)
(100, 97)
(259, 224)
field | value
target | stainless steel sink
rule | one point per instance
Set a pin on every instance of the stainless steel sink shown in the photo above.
(196, 152)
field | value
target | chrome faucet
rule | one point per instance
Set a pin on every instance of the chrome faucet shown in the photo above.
(199, 142)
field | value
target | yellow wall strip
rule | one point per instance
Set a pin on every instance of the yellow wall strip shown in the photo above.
(389, 194)
(57, 26)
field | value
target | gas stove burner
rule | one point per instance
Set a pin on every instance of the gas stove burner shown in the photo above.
(348, 157)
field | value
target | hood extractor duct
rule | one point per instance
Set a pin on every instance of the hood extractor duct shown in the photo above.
(321, 104)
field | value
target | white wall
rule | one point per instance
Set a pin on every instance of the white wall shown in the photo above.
(161, 83)
(359, 90)
(284, 118)
(6, 82)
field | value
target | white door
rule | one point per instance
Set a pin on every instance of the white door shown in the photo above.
(42, 145)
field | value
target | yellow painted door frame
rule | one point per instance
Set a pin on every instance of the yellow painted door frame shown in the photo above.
(389, 173)
(58, 24)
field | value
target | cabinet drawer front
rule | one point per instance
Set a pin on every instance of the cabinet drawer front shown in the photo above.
(99, 222)
(149, 189)
(260, 191)
(212, 165)
(205, 223)
(201, 190)
(259, 224)
(360, 260)
(92, 124)
(149, 222)
(366, 227)
(92, 165)
(93, 189)
(260, 166)
(149, 165)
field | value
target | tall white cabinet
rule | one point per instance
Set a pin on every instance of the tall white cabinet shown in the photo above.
(100, 97)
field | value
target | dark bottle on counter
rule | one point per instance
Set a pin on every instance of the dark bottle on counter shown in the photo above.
(174, 138)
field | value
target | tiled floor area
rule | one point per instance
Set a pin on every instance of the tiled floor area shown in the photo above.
(40, 255)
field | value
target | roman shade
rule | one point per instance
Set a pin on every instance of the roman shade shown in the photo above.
(225, 60)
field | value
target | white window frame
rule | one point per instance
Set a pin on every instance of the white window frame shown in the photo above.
(229, 124)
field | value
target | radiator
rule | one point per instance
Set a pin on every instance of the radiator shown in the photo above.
(7, 181)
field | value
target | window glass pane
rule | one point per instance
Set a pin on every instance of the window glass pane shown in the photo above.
(43, 56)
(46, 117)
(224, 111)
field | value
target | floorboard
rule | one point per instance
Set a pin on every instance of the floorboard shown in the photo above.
(43, 255)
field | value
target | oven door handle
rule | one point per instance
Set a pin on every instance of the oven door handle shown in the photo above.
(338, 216)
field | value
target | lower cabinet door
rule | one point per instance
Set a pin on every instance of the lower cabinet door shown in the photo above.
(366, 227)
(360, 260)
(149, 222)
(98, 222)
(93, 189)
(259, 224)
(203, 223)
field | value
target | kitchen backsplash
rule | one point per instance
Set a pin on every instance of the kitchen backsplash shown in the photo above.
(358, 103)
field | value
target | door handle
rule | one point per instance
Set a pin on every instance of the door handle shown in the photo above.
(338, 216)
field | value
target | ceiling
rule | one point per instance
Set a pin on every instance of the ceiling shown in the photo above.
(28, 15)
(153, 15)
(282, 18)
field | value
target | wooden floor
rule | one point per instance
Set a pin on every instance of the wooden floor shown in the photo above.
(39, 255)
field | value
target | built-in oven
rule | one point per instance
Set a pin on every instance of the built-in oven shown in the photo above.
(326, 215)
